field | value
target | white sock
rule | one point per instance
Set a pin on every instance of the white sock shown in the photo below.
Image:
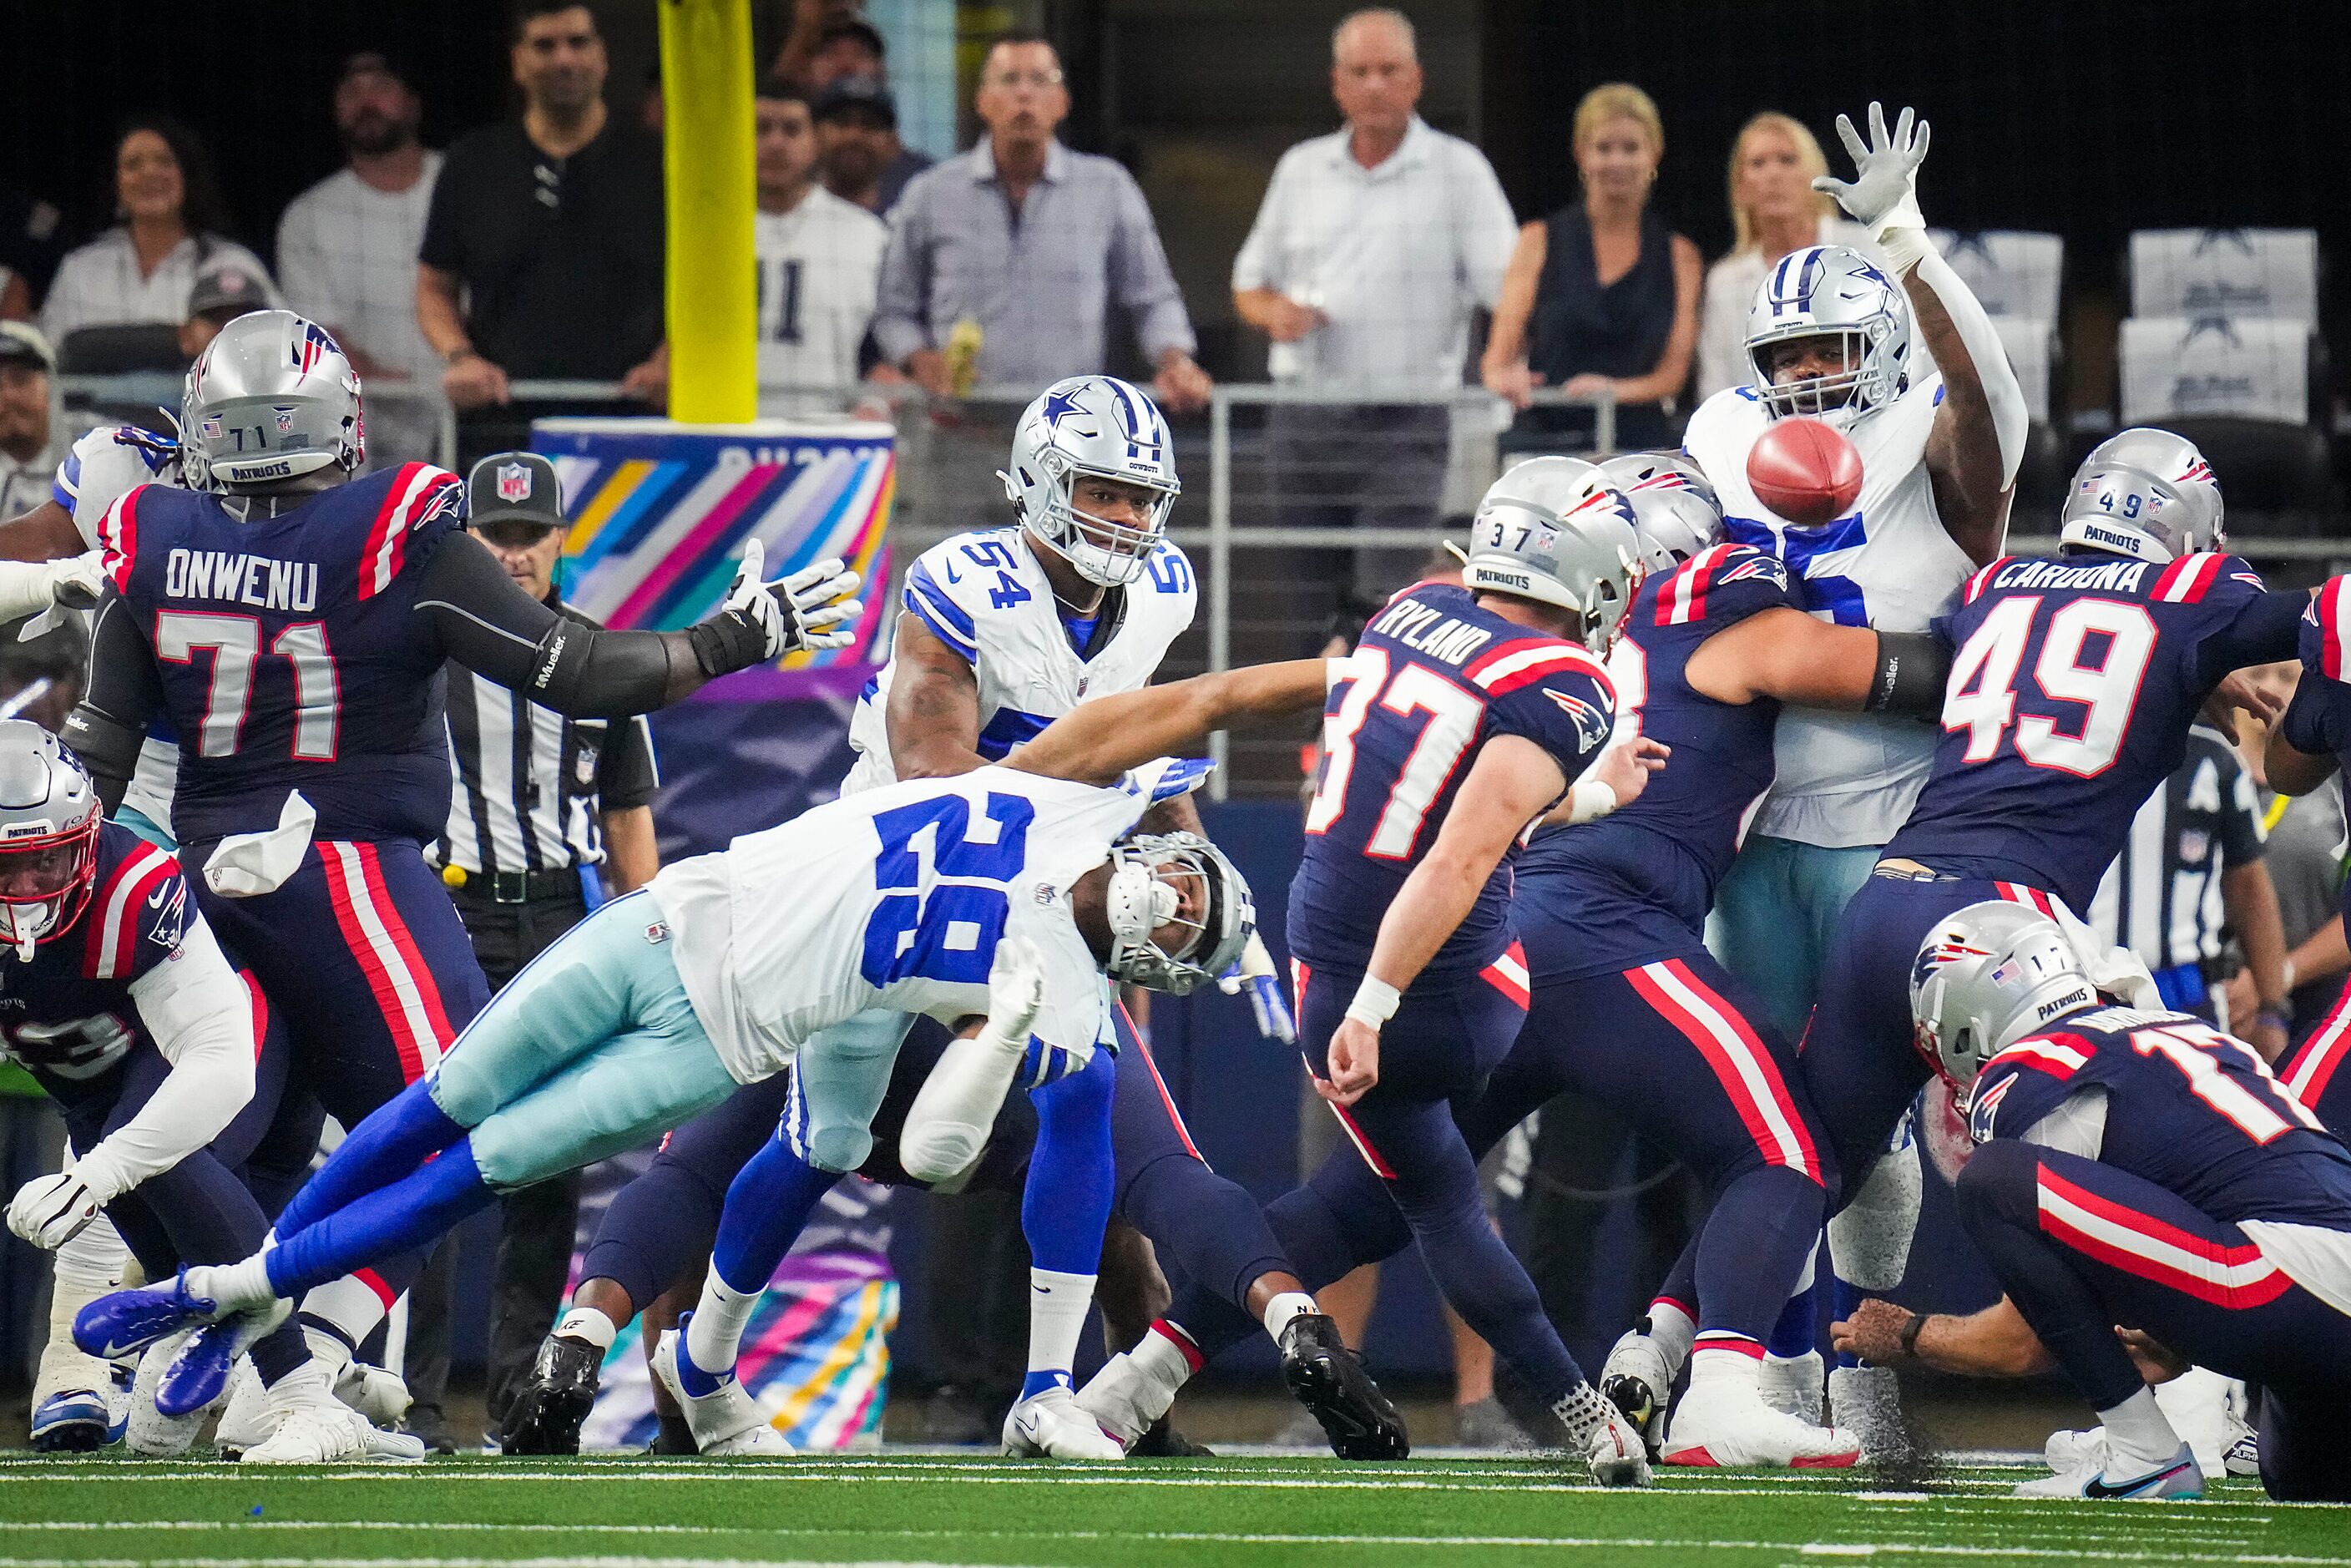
(1583, 1412)
(1283, 1307)
(1162, 1360)
(234, 1286)
(588, 1323)
(714, 1335)
(1058, 1304)
(353, 1304)
(2139, 1436)
(1673, 1328)
(1726, 1361)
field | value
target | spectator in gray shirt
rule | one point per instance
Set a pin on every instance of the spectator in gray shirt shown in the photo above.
(1029, 243)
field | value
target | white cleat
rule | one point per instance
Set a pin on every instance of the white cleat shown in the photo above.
(1730, 1427)
(1054, 1425)
(1638, 1380)
(1791, 1385)
(1866, 1401)
(725, 1421)
(149, 1431)
(378, 1396)
(1616, 1454)
(2201, 1407)
(1125, 1400)
(246, 1421)
(311, 1426)
(2089, 1470)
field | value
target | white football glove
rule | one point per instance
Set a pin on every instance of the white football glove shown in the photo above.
(1883, 195)
(43, 589)
(798, 611)
(1016, 992)
(1255, 973)
(51, 1210)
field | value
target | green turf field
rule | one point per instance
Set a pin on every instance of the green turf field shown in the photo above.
(629, 1513)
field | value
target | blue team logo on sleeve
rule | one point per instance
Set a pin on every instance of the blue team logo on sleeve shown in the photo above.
(168, 906)
(1591, 724)
(1983, 1107)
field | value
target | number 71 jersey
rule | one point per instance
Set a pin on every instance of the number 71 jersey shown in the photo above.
(2070, 697)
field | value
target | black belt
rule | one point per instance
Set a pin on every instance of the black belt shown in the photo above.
(561, 884)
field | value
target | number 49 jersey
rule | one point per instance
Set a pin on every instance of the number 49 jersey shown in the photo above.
(288, 654)
(2069, 700)
(1432, 679)
(985, 597)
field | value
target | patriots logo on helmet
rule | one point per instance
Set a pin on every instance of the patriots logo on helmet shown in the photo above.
(1591, 724)
(316, 345)
(1944, 952)
(514, 482)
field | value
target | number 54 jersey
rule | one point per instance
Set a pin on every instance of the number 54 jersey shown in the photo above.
(985, 597)
(2071, 693)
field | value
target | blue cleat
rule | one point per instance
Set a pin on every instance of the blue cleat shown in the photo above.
(73, 1421)
(116, 1325)
(199, 1372)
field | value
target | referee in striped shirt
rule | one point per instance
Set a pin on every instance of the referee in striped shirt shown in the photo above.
(548, 815)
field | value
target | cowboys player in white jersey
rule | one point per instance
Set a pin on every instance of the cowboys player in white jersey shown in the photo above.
(1831, 337)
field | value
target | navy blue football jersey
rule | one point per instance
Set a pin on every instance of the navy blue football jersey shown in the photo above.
(1636, 886)
(67, 1014)
(2318, 720)
(2071, 688)
(1433, 677)
(2192, 1110)
(289, 654)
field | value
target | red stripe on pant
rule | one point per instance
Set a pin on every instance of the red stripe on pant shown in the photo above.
(1787, 1144)
(2257, 1292)
(345, 863)
(2314, 1066)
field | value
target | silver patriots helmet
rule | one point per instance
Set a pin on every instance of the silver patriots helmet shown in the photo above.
(49, 816)
(1676, 513)
(1554, 530)
(1986, 976)
(1102, 426)
(271, 398)
(1157, 879)
(2144, 493)
(1831, 290)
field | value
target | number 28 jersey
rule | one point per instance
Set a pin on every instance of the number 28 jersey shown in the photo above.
(1434, 678)
(2071, 693)
(985, 596)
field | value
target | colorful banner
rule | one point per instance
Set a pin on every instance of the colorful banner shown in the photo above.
(660, 513)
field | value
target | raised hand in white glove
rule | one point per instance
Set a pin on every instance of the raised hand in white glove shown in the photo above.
(41, 588)
(1255, 973)
(51, 1210)
(760, 622)
(1883, 195)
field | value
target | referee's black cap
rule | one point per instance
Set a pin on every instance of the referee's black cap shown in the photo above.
(514, 487)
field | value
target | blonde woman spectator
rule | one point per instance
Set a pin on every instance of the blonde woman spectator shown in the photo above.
(1773, 210)
(170, 228)
(1601, 297)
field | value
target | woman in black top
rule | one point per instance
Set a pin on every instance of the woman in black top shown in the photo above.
(1601, 296)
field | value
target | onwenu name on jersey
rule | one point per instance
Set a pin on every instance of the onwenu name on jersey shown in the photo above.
(254, 579)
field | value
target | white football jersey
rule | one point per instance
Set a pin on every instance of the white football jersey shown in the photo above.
(985, 595)
(1847, 780)
(106, 465)
(895, 898)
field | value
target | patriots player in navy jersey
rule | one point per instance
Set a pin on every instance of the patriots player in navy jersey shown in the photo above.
(2133, 1167)
(2304, 751)
(290, 619)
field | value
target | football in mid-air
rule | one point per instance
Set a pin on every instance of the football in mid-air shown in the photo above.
(1804, 470)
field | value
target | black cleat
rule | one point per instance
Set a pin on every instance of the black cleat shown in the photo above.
(554, 1400)
(1164, 1442)
(1329, 1379)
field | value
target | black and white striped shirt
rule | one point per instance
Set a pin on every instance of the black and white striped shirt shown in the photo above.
(530, 786)
(2161, 898)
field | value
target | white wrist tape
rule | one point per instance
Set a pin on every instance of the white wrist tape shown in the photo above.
(1588, 800)
(1905, 246)
(1374, 1004)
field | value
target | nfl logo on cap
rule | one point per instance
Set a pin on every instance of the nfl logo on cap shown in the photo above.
(514, 482)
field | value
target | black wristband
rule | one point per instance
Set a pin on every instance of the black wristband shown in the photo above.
(727, 643)
(1912, 668)
(1908, 1336)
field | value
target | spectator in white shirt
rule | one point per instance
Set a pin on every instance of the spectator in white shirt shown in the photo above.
(347, 253)
(1372, 250)
(172, 226)
(1773, 211)
(819, 259)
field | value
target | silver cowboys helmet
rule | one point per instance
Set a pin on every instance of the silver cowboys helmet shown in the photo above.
(1105, 428)
(50, 817)
(1157, 879)
(1555, 529)
(1676, 513)
(1831, 292)
(272, 398)
(1985, 977)
(2144, 493)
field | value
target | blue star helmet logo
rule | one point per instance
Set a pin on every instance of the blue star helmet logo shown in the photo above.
(1060, 403)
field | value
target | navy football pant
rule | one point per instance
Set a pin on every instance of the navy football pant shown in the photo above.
(2316, 1071)
(2081, 1247)
(362, 956)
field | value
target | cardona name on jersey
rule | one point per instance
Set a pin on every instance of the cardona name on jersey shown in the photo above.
(1425, 629)
(2106, 576)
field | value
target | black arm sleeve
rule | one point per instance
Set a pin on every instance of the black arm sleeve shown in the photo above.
(110, 726)
(489, 625)
(1912, 667)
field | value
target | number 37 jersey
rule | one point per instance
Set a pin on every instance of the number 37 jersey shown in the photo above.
(2071, 692)
(1432, 679)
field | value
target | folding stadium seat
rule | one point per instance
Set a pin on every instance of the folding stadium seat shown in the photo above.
(2242, 390)
(2018, 275)
(2230, 273)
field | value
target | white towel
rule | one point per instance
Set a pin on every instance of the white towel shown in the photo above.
(247, 864)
